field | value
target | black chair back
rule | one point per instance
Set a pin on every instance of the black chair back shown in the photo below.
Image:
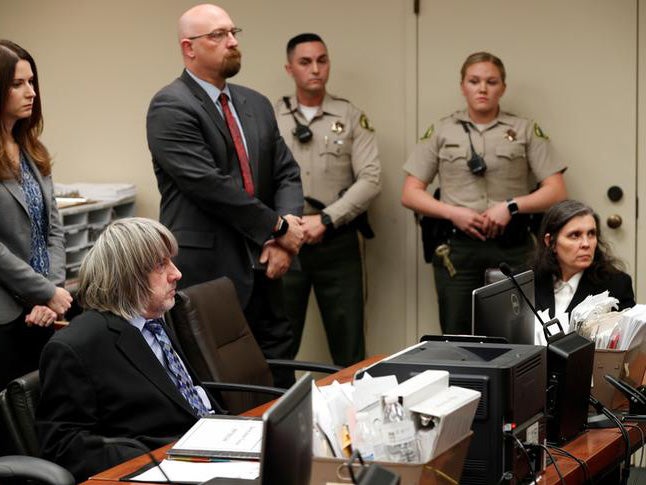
(18, 410)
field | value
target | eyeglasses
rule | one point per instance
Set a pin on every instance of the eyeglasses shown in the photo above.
(218, 35)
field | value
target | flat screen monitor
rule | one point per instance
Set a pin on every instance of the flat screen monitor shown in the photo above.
(287, 438)
(499, 310)
(286, 452)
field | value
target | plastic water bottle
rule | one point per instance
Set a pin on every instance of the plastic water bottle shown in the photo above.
(399, 433)
(368, 439)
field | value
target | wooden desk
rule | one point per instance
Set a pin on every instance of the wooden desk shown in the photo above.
(601, 449)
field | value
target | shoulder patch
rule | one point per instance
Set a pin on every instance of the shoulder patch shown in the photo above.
(365, 123)
(428, 133)
(539, 133)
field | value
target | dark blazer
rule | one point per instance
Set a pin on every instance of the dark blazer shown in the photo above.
(618, 284)
(219, 228)
(99, 378)
(20, 286)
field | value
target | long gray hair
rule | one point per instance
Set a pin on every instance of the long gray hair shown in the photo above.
(114, 274)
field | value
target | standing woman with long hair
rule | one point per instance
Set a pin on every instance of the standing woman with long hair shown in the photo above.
(487, 162)
(32, 252)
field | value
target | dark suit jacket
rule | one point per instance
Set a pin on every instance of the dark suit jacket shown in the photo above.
(99, 378)
(219, 228)
(618, 284)
(20, 286)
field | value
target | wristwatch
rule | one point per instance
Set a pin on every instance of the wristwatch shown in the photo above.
(326, 220)
(512, 207)
(282, 228)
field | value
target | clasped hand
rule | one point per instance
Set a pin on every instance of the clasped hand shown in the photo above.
(293, 239)
(277, 253)
(486, 225)
(45, 315)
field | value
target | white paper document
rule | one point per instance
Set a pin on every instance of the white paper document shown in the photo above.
(221, 436)
(189, 472)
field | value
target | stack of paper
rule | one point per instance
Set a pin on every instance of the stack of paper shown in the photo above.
(591, 307)
(631, 329)
(98, 191)
(601, 329)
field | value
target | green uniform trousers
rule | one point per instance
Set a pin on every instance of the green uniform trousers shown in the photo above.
(470, 258)
(333, 268)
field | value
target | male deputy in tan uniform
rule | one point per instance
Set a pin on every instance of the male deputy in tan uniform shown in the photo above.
(335, 146)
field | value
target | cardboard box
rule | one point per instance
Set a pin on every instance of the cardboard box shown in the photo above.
(421, 387)
(442, 470)
(627, 365)
(453, 410)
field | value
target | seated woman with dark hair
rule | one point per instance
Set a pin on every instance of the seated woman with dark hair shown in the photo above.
(573, 261)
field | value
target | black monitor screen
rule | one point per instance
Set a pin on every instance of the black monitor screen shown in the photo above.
(287, 439)
(499, 310)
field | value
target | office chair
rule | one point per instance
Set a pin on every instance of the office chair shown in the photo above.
(32, 468)
(18, 409)
(218, 343)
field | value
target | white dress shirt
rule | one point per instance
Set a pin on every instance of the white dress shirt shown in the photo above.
(564, 292)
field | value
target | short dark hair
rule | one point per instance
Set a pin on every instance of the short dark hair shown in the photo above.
(545, 263)
(300, 39)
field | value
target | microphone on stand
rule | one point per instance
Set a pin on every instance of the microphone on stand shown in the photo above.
(507, 271)
(134, 444)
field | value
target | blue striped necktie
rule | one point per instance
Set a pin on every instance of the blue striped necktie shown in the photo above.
(174, 365)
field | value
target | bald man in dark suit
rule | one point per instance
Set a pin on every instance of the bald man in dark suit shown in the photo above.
(230, 188)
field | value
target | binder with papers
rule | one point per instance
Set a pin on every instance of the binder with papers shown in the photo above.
(225, 437)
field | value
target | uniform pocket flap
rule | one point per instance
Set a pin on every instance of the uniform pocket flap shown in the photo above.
(511, 151)
(453, 153)
(337, 147)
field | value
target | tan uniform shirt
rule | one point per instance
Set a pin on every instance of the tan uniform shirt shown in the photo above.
(342, 154)
(513, 148)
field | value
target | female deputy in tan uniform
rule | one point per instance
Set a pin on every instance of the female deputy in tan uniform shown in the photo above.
(485, 159)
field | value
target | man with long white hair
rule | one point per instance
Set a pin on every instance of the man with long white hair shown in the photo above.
(116, 371)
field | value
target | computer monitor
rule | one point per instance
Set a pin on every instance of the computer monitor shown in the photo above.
(286, 451)
(286, 455)
(499, 310)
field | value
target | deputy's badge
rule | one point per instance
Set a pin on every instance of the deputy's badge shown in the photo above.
(337, 127)
(428, 133)
(365, 123)
(539, 133)
(511, 134)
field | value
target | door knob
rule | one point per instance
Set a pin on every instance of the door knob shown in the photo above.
(614, 221)
(615, 193)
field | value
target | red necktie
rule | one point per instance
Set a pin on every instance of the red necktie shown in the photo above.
(245, 168)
